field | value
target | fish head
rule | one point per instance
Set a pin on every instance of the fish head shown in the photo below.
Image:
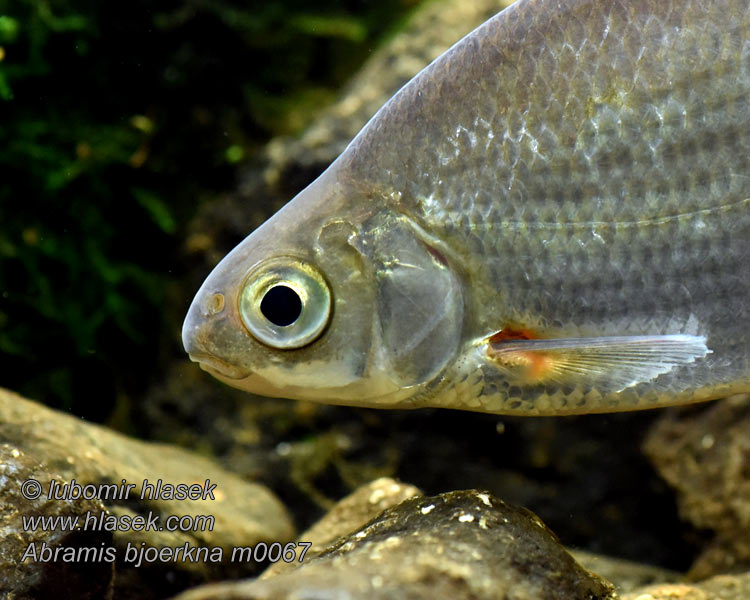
(333, 299)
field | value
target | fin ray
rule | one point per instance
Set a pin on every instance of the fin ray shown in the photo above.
(617, 362)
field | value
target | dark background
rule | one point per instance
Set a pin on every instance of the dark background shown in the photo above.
(118, 120)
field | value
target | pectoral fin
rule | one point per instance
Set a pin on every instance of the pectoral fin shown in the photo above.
(618, 361)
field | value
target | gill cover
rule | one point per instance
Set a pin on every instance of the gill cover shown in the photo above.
(418, 299)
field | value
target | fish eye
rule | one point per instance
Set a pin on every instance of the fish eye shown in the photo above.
(285, 303)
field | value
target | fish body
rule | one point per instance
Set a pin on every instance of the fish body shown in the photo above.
(551, 218)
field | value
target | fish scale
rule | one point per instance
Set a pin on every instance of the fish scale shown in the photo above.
(578, 170)
(682, 123)
(579, 163)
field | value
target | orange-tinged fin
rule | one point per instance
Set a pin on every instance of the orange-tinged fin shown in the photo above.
(618, 361)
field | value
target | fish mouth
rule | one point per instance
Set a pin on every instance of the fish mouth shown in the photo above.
(218, 367)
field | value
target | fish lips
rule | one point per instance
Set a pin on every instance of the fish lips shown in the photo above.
(217, 367)
(193, 332)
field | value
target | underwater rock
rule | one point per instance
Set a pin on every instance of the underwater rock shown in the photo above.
(368, 501)
(350, 513)
(704, 453)
(45, 577)
(721, 587)
(243, 513)
(625, 575)
(456, 545)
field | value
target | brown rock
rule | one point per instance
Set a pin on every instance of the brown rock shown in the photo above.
(350, 513)
(243, 513)
(721, 587)
(704, 454)
(459, 545)
(626, 575)
(79, 570)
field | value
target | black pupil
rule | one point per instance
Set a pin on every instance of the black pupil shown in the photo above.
(281, 305)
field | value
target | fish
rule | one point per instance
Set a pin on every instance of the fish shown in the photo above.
(552, 218)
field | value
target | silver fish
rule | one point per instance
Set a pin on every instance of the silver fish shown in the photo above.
(551, 218)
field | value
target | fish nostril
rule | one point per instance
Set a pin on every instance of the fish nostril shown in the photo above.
(214, 304)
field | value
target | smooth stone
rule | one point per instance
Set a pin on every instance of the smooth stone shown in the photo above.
(244, 513)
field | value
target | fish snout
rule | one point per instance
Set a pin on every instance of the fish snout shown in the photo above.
(201, 324)
(202, 310)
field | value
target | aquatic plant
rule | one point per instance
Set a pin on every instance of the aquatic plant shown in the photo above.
(116, 122)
